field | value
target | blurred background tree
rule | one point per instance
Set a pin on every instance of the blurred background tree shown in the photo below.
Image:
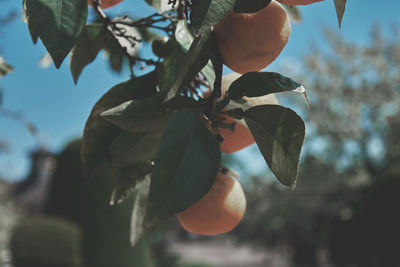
(343, 209)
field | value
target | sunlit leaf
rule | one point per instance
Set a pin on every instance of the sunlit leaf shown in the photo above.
(4, 67)
(139, 210)
(207, 13)
(196, 58)
(185, 38)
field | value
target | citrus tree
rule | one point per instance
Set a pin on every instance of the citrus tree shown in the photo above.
(162, 132)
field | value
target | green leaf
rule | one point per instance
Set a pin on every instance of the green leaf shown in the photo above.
(185, 167)
(250, 6)
(170, 65)
(131, 149)
(98, 133)
(58, 23)
(207, 13)
(185, 38)
(114, 54)
(255, 84)
(147, 34)
(182, 102)
(139, 210)
(279, 133)
(90, 42)
(196, 58)
(139, 115)
(130, 157)
(25, 18)
(127, 180)
(4, 68)
(340, 6)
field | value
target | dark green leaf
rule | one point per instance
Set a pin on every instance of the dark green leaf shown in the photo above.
(114, 54)
(207, 13)
(279, 133)
(25, 18)
(90, 42)
(196, 58)
(98, 133)
(130, 157)
(139, 210)
(139, 115)
(185, 167)
(182, 102)
(58, 23)
(4, 67)
(127, 180)
(250, 6)
(170, 66)
(340, 6)
(131, 149)
(255, 84)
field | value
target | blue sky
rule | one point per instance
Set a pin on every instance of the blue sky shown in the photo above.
(49, 98)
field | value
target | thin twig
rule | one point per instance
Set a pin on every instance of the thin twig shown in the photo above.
(116, 32)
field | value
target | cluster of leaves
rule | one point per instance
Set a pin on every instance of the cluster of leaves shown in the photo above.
(152, 129)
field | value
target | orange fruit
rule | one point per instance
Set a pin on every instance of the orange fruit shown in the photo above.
(297, 2)
(237, 139)
(234, 141)
(250, 42)
(106, 3)
(219, 211)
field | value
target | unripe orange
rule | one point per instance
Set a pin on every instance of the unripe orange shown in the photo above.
(219, 211)
(297, 2)
(250, 42)
(106, 3)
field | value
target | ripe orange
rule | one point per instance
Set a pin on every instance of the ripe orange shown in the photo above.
(219, 211)
(297, 2)
(250, 42)
(236, 140)
(106, 3)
